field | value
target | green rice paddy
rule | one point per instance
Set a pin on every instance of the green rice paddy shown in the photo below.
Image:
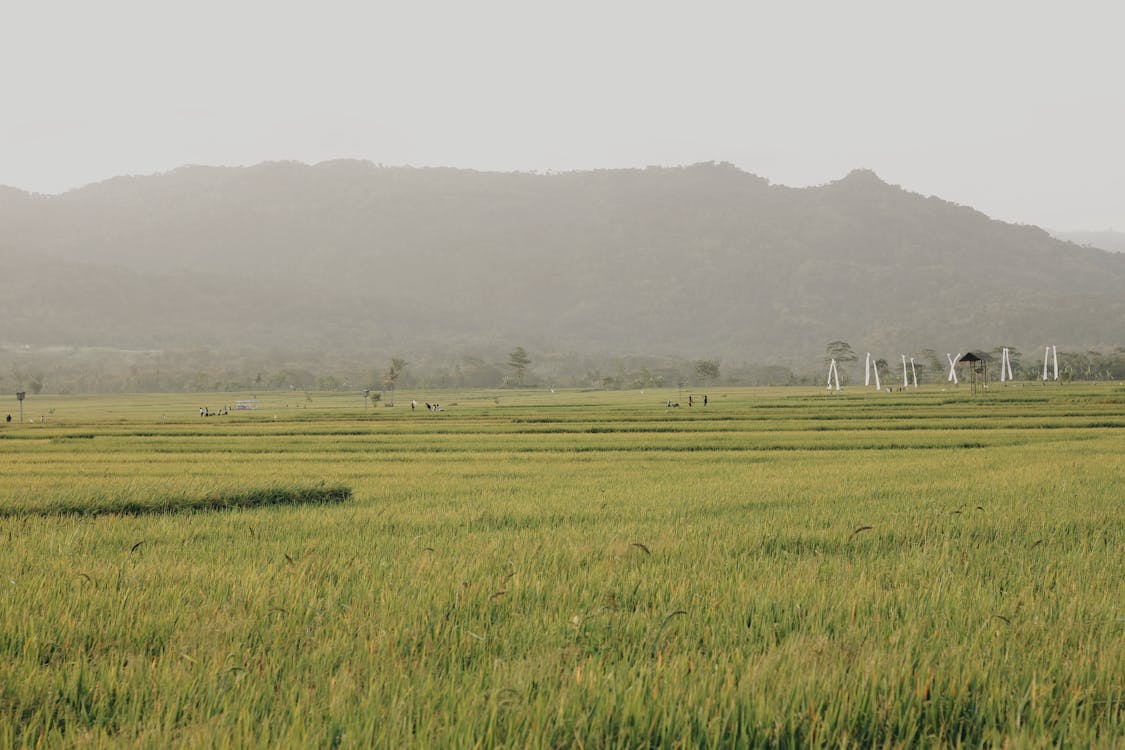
(781, 568)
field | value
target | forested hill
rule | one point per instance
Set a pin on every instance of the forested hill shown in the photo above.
(705, 260)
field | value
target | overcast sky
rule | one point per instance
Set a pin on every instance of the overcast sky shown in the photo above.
(1016, 108)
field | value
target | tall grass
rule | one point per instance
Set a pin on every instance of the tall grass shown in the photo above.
(486, 586)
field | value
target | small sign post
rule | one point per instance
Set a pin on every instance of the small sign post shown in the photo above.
(20, 395)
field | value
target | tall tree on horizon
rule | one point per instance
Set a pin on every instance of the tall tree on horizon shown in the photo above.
(707, 370)
(842, 352)
(394, 372)
(519, 361)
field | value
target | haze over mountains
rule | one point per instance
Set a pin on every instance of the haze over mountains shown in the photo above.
(1104, 239)
(697, 261)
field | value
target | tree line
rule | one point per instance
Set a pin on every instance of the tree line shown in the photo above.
(105, 371)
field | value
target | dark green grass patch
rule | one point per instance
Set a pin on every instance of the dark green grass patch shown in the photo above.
(137, 504)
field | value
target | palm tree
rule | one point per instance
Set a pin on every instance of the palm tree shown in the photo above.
(392, 376)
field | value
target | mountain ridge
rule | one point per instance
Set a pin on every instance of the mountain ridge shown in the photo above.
(1105, 239)
(700, 260)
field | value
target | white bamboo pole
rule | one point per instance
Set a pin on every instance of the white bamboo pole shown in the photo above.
(1055, 357)
(875, 367)
(913, 372)
(867, 371)
(1046, 356)
(905, 382)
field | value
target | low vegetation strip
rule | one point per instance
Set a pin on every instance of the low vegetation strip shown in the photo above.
(153, 504)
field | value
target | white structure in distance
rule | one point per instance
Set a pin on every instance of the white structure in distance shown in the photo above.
(952, 367)
(1052, 352)
(1005, 365)
(871, 367)
(913, 373)
(833, 374)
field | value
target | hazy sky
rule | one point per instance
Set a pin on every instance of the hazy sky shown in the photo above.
(1016, 108)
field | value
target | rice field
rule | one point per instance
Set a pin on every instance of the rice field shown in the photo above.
(781, 568)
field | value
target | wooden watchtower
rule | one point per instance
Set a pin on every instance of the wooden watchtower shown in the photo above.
(977, 363)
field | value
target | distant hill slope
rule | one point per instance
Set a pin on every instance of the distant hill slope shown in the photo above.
(1106, 239)
(704, 260)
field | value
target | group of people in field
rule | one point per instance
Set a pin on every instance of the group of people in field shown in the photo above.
(205, 411)
(690, 401)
